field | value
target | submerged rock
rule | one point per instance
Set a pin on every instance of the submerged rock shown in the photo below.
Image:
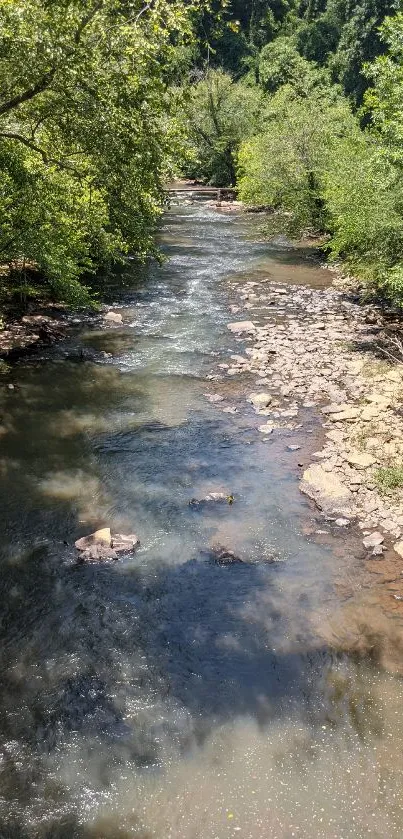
(260, 400)
(222, 556)
(212, 498)
(267, 428)
(214, 397)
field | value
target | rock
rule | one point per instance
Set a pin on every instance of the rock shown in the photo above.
(99, 537)
(240, 359)
(212, 498)
(230, 410)
(268, 428)
(214, 397)
(329, 493)
(377, 550)
(97, 553)
(293, 447)
(388, 524)
(378, 399)
(342, 522)
(373, 540)
(335, 408)
(398, 548)
(360, 459)
(394, 376)
(125, 544)
(335, 436)
(222, 556)
(260, 400)
(369, 413)
(113, 317)
(346, 415)
(101, 545)
(241, 326)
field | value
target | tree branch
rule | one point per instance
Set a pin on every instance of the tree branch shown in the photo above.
(39, 87)
(11, 135)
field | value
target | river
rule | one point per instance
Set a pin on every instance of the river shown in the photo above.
(166, 695)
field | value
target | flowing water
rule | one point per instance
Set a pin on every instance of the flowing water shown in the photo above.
(165, 695)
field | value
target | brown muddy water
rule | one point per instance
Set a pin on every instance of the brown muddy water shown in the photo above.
(166, 696)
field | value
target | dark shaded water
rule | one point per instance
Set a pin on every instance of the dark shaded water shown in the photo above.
(165, 696)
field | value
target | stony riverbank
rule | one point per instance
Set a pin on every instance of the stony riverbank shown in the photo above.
(319, 351)
(48, 325)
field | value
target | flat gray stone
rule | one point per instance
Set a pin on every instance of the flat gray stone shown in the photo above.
(241, 326)
(326, 489)
(373, 540)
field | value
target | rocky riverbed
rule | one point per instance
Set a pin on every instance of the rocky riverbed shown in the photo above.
(320, 352)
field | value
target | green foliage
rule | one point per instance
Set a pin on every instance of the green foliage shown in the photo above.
(389, 479)
(280, 63)
(231, 32)
(83, 131)
(313, 161)
(344, 36)
(284, 166)
(364, 198)
(219, 114)
(384, 100)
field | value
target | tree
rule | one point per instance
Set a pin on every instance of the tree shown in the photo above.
(219, 114)
(364, 200)
(83, 130)
(345, 35)
(283, 167)
(384, 100)
(280, 63)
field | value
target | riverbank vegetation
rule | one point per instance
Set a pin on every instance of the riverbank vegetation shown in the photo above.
(86, 137)
(303, 106)
(296, 102)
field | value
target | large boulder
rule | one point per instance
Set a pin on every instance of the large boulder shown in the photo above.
(327, 490)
